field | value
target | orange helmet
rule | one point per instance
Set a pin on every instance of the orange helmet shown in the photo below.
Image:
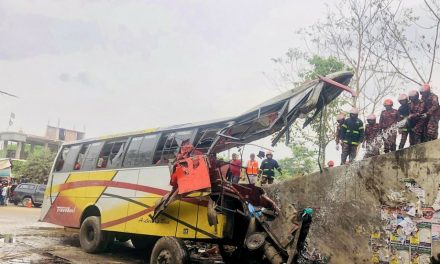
(371, 117)
(403, 97)
(425, 88)
(340, 116)
(388, 102)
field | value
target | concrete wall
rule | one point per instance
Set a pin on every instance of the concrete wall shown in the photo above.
(348, 199)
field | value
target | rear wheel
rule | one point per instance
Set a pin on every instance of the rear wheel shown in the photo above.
(91, 237)
(26, 200)
(169, 250)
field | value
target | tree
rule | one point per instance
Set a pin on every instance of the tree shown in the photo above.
(37, 168)
(302, 162)
(296, 67)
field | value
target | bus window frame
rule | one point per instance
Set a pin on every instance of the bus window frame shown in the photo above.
(158, 135)
(124, 142)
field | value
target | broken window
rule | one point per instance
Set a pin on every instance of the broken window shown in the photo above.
(111, 154)
(67, 158)
(140, 151)
(205, 138)
(81, 157)
(92, 155)
(169, 145)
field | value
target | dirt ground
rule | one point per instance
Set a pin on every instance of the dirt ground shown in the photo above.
(37, 242)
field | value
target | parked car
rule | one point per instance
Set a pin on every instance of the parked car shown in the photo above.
(25, 191)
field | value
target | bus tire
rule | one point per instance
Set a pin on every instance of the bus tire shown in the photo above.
(169, 250)
(91, 237)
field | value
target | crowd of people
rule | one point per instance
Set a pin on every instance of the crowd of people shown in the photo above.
(416, 120)
(263, 174)
(5, 193)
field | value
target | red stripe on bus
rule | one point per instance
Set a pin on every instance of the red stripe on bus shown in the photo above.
(127, 218)
(116, 184)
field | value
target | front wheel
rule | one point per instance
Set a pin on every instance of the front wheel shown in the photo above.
(91, 237)
(169, 250)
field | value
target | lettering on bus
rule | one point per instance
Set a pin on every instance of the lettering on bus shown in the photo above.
(148, 220)
(65, 209)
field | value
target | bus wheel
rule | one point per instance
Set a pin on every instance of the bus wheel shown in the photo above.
(169, 250)
(91, 237)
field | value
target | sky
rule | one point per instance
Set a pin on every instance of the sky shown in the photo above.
(117, 66)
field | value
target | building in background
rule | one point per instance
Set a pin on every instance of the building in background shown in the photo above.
(19, 145)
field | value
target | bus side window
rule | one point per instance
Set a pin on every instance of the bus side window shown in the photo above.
(169, 145)
(146, 150)
(68, 158)
(81, 157)
(92, 156)
(111, 155)
(61, 158)
(132, 152)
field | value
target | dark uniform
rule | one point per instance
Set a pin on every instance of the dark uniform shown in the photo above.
(404, 111)
(417, 122)
(388, 118)
(268, 167)
(432, 109)
(352, 133)
(371, 140)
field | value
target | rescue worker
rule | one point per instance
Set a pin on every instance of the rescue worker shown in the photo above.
(389, 118)
(372, 142)
(268, 167)
(431, 112)
(352, 133)
(252, 169)
(417, 121)
(340, 119)
(330, 164)
(403, 111)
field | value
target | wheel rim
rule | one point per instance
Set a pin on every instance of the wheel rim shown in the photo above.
(90, 233)
(164, 257)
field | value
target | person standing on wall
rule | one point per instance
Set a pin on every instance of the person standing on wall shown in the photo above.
(404, 111)
(352, 134)
(372, 142)
(416, 118)
(431, 112)
(389, 118)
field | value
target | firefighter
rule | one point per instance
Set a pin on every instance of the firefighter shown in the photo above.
(388, 118)
(340, 119)
(403, 111)
(268, 167)
(431, 112)
(352, 133)
(416, 119)
(371, 142)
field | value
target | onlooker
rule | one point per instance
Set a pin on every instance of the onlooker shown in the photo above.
(1, 193)
(252, 169)
(5, 195)
(235, 168)
(388, 118)
(268, 167)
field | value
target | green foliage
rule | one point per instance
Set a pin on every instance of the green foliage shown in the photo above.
(17, 168)
(303, 161)
(37, 168)
(321, 67)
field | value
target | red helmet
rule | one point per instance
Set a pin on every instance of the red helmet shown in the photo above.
(425, 88)
(330, 163)
(388, 102)
(371, 117)
(403, 97)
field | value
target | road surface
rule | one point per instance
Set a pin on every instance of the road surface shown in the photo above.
(37, 242)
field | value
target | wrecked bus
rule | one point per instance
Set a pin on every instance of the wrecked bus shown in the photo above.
(159, 187)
